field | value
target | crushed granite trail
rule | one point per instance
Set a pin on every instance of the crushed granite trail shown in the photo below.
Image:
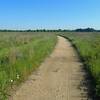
(58, 78)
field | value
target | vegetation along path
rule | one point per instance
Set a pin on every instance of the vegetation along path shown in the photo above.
(59, 77)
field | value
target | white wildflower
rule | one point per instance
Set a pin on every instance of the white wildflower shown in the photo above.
(11, 81)
(17, 76)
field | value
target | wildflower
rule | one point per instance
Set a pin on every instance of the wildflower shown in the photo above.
(17, 76)
(11, 81)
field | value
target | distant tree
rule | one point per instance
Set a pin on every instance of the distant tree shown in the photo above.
(85, 30)
(29, 30)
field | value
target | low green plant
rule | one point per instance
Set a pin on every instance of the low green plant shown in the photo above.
(20, 54)
(88, 45)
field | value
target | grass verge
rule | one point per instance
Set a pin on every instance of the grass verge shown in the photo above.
(20, 55)
(88, 46)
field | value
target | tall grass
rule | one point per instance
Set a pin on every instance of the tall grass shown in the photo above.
(88, 45)
(20, 55)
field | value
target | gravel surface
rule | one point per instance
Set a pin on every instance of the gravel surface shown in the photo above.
(58, 78)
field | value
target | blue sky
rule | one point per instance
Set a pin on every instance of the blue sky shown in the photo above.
(49, 14)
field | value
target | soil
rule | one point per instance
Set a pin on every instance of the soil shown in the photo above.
(60, 77)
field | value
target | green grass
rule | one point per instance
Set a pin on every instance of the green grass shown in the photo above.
(20, 54)
(88, 45)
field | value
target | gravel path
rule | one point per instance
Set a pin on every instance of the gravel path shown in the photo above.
(58, 78)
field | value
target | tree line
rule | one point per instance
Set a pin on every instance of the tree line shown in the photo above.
(56, 30)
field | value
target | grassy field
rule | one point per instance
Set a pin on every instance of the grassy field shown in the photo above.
(88, 45)
(20, 54)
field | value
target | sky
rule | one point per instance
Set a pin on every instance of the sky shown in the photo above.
(49, 14)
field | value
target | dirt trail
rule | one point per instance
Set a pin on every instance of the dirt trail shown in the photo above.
(58, 77)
